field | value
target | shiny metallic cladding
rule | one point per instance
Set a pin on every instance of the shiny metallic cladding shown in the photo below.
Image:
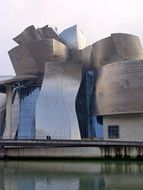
(63, 89)
(55, 109)
(119, 68)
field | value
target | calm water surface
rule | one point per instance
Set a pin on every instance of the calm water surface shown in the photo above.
(47, 175)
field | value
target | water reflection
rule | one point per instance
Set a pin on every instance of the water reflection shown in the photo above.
(42, 175)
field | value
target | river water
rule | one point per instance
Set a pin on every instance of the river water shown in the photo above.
(64, 175)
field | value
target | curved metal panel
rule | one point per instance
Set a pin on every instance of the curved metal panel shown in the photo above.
(55, 110)
(48, 32)
(73, 37)
(117, 47)
(104, 52)
(127, 46)
(30, 58)
(119, 88)
(85, 56)
(29, 34)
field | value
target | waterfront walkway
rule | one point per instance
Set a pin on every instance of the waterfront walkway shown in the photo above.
(69, 143)
(25, 149)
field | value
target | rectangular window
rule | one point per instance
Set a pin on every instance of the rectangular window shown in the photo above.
(113, 131)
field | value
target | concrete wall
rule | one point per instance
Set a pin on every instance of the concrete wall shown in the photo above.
(130, 126)
(57, 152)
(38, 152)
(70, 149)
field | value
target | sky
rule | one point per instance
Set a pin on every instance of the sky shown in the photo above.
(96, 18)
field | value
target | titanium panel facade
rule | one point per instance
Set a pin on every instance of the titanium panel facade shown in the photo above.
(117, 47)
(65, 105)
(85, 55)
(118, 62)
(30, 58)
(55, 110)
(73, 37)
(119, 88)
(48, 32)
(33, 34)
(29, 34)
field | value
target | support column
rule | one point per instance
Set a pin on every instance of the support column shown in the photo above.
(8, 128)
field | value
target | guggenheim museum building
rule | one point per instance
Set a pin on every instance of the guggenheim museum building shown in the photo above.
(64, 89)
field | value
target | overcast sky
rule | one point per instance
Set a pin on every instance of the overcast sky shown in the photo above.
(96, 18)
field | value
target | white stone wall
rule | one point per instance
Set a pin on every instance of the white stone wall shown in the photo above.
(130, 126)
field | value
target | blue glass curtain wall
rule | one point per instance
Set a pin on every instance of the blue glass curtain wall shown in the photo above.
(90, 126)
(83, 105)
(28, 98)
